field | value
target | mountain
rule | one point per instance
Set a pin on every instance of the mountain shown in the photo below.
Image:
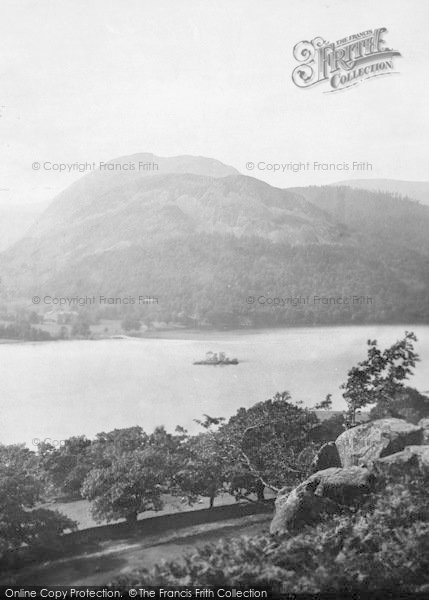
(386, 220)
(15, 220)
(160, 206)
(204, 240)
(112, 210)
(416, 190)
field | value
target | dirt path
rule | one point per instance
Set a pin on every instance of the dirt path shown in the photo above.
(121, 556)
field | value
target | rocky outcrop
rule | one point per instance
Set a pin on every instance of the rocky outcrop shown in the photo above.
(329, 490)
(424, 424)
(296, 509)
(326, 458)
(364, 444)
(413, 459)
(344, 486)
(385, 447)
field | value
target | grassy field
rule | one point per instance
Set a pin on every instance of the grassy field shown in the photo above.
(79, 510)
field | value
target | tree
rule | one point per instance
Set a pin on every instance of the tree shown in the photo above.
(378, 378)
(201, 469)
(107, 446)
(130, 324)
(265, 445)
(328, 429)
(325, 404)
(170, 448)
(81, 327)
(330, 425)
(131, 471)
(63, 333)
(268, 444)
(33, 317)
(67, 466)
(130, 484)
(20, 522)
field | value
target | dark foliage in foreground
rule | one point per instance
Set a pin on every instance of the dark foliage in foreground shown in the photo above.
(384, 545)
(408, 404)
(21, 522)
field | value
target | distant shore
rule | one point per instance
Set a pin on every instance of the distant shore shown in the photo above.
(186, 332)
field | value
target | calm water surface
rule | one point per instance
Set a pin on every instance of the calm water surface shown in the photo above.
(59, 389)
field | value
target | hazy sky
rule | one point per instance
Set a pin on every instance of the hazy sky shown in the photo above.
(89, 80)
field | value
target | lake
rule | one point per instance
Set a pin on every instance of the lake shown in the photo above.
(59, 389)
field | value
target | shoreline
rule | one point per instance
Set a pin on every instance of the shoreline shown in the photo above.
(179, 333)
(169, 333)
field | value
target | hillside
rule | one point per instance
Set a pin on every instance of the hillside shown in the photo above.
(15, 220)
(384, 219)
(416, 190)
(202, 238)
(152, 208)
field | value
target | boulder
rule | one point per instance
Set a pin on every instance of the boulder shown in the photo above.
(329, 490)
(326, 458)
(411, 460)
(424, 424)
(345, 487)
(294, 510)
(364, 444)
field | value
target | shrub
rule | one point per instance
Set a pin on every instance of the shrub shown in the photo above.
(408, 404)
(21, 524)
(382, 546)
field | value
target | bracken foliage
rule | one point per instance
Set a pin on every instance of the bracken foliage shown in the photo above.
(382, 546)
